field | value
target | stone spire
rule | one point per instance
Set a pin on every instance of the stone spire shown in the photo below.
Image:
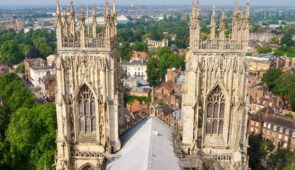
(72, 20)
(198, 12)
(240, 28)
(114, 11)
(65, 23)
(58, 25)
(94, 22)
(195, 25)
(213, 24)
(235, 22)
(222, 26)
(114, 19)
(193, 10)
(58, 14)
(248, 9)
(247, 25)
(82, 28)
(108, 32)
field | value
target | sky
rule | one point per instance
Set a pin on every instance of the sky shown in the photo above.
(152, 2)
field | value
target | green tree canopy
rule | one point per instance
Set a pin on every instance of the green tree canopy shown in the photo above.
(31, 134)
(264, 50)
(160, 61)
(270, 78)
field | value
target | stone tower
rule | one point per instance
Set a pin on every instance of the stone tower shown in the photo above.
(87, 96)
(214, 111)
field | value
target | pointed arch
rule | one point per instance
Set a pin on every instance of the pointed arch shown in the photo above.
(87, 166)
(87, 110)
(215, 111)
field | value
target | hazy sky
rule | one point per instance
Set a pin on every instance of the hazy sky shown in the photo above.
(161, 2)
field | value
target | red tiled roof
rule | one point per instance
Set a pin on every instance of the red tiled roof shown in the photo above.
(139, 55)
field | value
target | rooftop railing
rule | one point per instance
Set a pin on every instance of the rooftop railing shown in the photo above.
(219, 45)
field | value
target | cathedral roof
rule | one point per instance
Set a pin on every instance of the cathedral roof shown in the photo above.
(146, 146)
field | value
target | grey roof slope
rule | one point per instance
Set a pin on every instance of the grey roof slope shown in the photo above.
(146, 146)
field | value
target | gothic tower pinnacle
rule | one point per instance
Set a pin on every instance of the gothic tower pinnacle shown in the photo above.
(82, 28)
(235, 22)
(213, 24)
(195, 25)
(65, 23)
(94, 22)
(58, 25)
(72, 20)
(222, 26)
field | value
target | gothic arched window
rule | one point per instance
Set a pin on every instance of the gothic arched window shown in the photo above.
(87, 115)
(215, 112)
(87, 167)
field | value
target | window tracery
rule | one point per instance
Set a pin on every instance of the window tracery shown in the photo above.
(215, 112)
(87, 109)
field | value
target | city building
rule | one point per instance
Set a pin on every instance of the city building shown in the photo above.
(37, 73)
(214, 102)
(164, 91)
(89, 96)
(139, 56)
(138, 110)
(258, 66)
(36, 69)
(278, 129)
(153, 44)
(134, 69)
(15, 24)
(39, 62)
(269, 100)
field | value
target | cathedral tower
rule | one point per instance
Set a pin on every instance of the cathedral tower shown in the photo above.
(87, 95)
(214, 111)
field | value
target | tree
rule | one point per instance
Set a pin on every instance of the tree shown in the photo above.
(274, 40)
(20, 68)
(264, 50)
(284, 86)
(140, 46)
(31, 135)
(255, 151)
(287, 40)
(153, 71)
(34, 53)
(271, 77)
(27, 130)
(10, 53)
(163, 59)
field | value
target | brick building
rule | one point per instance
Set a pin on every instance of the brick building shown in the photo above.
(274, 127)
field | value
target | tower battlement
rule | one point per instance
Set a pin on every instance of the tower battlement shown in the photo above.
(217, 40)
(73, 35)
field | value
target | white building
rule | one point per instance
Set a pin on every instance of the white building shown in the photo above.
(37, 73)
(134, 69)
